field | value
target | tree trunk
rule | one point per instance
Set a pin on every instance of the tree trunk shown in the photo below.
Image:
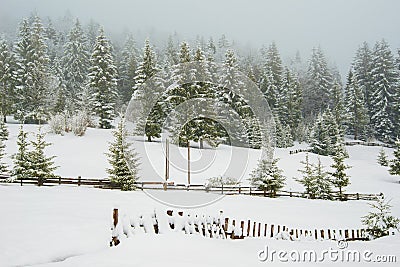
(148, 138)
(201, 143)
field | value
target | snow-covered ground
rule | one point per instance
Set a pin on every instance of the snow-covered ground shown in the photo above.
(70, 226)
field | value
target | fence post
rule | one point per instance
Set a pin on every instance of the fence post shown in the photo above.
(272, 230)
(265, 230)
(254, 229)
(250, 190)
(21, 181)
(114, 237)
(248, 228)
(322, 234)
(59, 180)
(259, 229)
(242, 227)
(316, 234)
(346, 233)
(222, 189)
(79, 180)
(240, 189)
(358, 196)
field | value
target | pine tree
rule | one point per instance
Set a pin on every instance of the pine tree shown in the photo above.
(318, 85)
(325, 134)
(385, 78)
(127, 70)
(22, 162)
(76, 62)
(268, 177)
(103, 81)
(40, 166)
(3, 130)
(395, 163)
(3, 166)
(379, 221)
(7, 79)
(382, 158)
(32, 92)
(356, 112)
(123, 160)
(339, 177)
(362, 66)
(321, 186)
(337, 104)
(289, 109)
(58, 84)
(147, 90)
(307, 180)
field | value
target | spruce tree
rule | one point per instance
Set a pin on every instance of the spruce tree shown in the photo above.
(76, 62)
(21, 159)
(382, 158)
(123, 160)
(7, 79)
(321, 185)
(127, 70)
(325, 134)
(40, 166)
(318, 85)
(268, 177)
(356, 112)
(103, 81)
(32, 90)
(339, 177)
(395, 163)
(384, 101)
(3, 166)
(379, 221)
(147, 90)
(3, 130)
(307, 179)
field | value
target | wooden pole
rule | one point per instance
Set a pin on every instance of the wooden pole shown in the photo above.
(188, 153)
(114, 238)
(166, 163)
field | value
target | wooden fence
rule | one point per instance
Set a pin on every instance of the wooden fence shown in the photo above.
(347, 143)
(223, 227)
(159, 185)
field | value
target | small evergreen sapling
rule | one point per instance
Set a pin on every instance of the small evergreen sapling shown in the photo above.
(21, 158)
(3, 166)
(339, 177)
(379, 221)
(41, 167)
(395, 163)
(268, 177)
(3, 130)
(382, 158)
(308, 175)
(322, 184)
(123, 160)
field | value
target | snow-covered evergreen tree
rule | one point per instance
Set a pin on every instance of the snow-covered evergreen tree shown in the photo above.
(337, 104)
(307, 178)
(290, 100)
(382, 158)
(325, 134)
(21, 158)
(321, 185)
(318, 84)
(356, 112)
(57, 84)
(340, 179)
(40, 166)
(123, 160)
(32, 73)
(384, 97)
(362, 66)
(7, 79)
(103, 81)
(127, 70)
(146, 93)
(395, 163)
(267, 176)
(76, 62)
(379, 221)
(3, 130)
(3, 166)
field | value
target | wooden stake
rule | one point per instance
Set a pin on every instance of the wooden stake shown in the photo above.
(188, 154)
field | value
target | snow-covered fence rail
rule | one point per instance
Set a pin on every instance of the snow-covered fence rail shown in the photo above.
(158, 185)
(220, 227)
(363, 143)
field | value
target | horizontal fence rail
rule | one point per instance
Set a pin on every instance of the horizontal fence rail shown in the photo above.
(159, 185)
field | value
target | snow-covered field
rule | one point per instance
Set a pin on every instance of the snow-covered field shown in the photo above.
(70, 226)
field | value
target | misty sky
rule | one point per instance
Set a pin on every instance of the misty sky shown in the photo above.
(339, 26)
